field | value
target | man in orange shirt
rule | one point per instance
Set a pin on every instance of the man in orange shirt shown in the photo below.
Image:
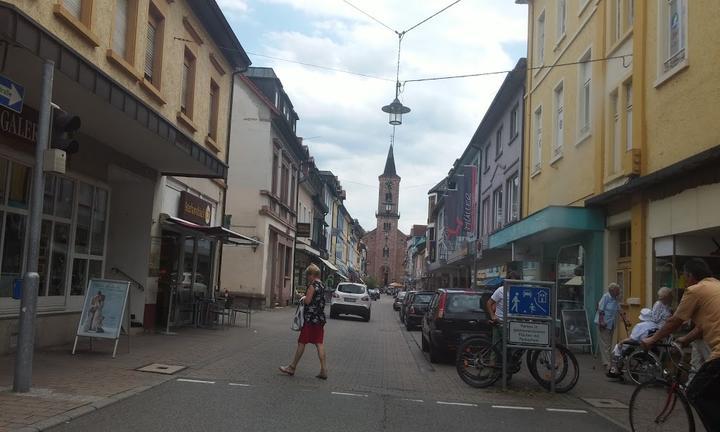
(701, 304)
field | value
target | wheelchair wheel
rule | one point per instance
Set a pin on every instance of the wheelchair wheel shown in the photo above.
(643, 367)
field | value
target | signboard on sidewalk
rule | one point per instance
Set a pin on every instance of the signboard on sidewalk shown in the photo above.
(11, 94)
(575, 326)
(530, 301)
(103, 309)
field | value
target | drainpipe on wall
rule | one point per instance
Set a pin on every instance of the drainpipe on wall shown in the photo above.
(227, 160)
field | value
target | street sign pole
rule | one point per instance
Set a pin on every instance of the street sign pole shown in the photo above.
(31, 280)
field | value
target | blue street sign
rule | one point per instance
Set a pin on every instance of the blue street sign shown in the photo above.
(11, 94)
(529, 301)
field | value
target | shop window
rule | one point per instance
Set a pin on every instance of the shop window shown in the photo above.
(571, 277)
(90, 231)
(55, 235)
(14, 199)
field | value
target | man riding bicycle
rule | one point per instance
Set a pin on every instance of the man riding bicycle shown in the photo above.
(701, 304)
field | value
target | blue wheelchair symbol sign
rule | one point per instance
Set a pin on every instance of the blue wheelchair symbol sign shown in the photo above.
(529, 301)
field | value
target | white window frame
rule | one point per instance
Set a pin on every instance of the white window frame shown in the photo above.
(558, 121)
(628, 102)
(561, 27)
(585, 94)
(540, 41)
(669, 63)
(512, 198)
(615, 132)
(497, 209)
(537, 140)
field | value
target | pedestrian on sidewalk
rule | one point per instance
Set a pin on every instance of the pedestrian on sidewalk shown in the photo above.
(701, 304)
(605, 318)
(313, 329)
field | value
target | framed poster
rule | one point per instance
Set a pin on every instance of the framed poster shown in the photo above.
(104, 308)
(575, 325)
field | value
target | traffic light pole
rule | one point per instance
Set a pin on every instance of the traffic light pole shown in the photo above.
(31, 279)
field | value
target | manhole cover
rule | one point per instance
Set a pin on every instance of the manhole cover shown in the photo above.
(605, 403)
(161, 368)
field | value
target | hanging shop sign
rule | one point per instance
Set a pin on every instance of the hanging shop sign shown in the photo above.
(303, 229)
(194, 209)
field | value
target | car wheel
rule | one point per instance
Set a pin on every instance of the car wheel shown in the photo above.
(424, 345)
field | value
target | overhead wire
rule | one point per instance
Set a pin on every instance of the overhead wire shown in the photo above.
(371, 17)
(328, 68)
(433, 16)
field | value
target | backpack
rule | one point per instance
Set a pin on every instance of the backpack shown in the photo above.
(299, 318)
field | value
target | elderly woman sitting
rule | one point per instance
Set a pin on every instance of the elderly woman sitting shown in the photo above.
(643, 329)
(661, 309)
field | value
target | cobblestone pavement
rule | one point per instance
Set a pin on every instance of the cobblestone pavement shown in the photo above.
(379, 358)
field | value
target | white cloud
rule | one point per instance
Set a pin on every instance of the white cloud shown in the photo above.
(233, 6)
(343, 111)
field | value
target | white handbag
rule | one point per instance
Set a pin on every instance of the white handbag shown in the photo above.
(299, 318)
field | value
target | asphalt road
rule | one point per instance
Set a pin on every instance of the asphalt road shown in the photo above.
(379, 381)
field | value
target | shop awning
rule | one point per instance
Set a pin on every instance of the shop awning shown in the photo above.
(306, 248)
(554, 221)
(217, 232)
(575, 281)
(329, 265)
(493, 282)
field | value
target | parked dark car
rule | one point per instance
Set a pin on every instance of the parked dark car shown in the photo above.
(404, 305)
(452, 316)
(374, 293)
(399, 299)
(415, 308)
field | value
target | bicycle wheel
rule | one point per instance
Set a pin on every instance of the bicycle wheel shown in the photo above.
(657, 406)
(567, 371)
(643, 367)
(478, 362)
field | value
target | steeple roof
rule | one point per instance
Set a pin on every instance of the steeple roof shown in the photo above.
(390, 165)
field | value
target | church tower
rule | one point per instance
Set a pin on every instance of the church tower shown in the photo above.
(390, 242)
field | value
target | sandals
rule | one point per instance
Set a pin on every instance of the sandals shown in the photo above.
(287, 370)
(322, 376)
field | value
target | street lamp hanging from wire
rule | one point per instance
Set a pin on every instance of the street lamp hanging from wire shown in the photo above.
(396, 109)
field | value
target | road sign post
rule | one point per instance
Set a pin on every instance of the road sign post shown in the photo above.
(31, 280)
(529, 320)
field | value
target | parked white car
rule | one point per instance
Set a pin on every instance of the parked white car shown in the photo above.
(351, 299)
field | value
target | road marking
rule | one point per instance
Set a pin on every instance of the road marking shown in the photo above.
(349, 394)
(195, 381)
(513, 407)
(566, 410)
(456, 404)
(414, 400)
(239, 385)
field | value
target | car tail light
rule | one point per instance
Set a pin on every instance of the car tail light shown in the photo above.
(336, 295)
(441, 306)
(365, 298)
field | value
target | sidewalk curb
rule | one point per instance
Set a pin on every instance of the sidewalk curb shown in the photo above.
(85, 409)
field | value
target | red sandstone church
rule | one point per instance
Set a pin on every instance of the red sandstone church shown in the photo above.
(386, 243)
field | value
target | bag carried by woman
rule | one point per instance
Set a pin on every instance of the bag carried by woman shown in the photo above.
(299, 318)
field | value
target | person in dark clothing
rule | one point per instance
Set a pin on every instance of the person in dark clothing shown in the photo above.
(313, 329)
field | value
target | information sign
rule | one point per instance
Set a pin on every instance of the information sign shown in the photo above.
(11, 94)
(531, 301)
(529, 333)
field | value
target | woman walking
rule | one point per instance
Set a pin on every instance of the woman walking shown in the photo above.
(313, 330)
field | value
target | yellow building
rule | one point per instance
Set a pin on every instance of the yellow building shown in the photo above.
(619, 127)
(150, 82)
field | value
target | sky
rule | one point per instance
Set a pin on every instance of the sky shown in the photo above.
(340, 114)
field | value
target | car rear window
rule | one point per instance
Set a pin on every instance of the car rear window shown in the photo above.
(422, 298)
(464, 303)
(351, 289)
(402, 295)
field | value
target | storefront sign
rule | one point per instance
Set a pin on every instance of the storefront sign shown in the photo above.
(23, 126)
(529, 333)
(303, 229)
(194, 209)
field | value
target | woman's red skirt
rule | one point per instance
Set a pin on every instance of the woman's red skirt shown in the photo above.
(312, 334)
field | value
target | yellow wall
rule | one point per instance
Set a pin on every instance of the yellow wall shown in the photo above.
(682, 113)
(173, 52)
(572, 178)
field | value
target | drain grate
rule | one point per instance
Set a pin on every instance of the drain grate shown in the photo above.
(605, 403)
(161, 368)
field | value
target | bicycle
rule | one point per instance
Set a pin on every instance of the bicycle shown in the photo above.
(479, 364)
(654, 405)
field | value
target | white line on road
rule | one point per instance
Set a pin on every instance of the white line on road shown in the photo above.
(239, 385)
(195, 381)
(349, 394)
(513, 407)
(566, 410)
(414, 400)
(456, 404)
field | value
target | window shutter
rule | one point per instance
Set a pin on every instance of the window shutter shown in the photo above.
(150, 51)
(74, 7)
(120, 29)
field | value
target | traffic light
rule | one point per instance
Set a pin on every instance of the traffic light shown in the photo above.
(64, 128)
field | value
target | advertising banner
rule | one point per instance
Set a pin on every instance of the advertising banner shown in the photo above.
(461, 204)
(103, 309)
